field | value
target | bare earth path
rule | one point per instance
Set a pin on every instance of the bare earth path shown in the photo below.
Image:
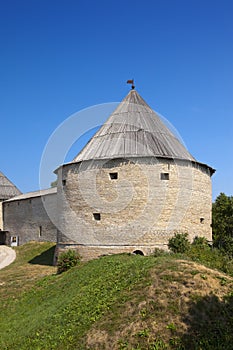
(7, 256)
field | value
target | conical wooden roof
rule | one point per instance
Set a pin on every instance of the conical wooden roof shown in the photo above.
(133, 130)
(7, 188)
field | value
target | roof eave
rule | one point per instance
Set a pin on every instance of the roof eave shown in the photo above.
(212, 170)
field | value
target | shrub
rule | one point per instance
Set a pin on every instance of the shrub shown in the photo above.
(160, 252)
(66, 260)
(179, 243)
(200, 241)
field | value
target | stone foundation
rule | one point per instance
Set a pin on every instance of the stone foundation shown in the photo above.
(94, 252)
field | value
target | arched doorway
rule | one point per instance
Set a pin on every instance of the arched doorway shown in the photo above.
(138, 252)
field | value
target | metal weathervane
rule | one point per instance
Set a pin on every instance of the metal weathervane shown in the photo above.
(132, 83)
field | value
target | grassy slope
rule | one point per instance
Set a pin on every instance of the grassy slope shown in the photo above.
(116, 302)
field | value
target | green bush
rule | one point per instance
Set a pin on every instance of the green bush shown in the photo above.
(160, 252)
(179, 243)
(200, 241)
(66, 260)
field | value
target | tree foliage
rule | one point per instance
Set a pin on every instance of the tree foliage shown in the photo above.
(53, 183)
(222, 223)
(179, 243)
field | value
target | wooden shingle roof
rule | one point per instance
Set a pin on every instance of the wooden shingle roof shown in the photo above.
(7, 188)
(29, 195)
(133, 130)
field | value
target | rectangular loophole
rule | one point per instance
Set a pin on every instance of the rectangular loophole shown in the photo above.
(97, 216)
(164, 176)
(113, 176)
(202, 220)
(40, 231)
(63, 182)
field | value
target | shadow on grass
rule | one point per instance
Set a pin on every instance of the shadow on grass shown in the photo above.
(45, 258)
(210, 324)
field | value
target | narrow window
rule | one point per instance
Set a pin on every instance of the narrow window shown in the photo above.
(40, 231)
(164, 176)
(113, 176)
(202, 220)
(96, 216)
(63, 182)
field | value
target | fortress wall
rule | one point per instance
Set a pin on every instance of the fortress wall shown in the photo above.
(27, 219)
(1, 218)
(150, 200)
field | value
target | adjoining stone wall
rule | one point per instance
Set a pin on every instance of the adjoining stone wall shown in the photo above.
(28, 219)
(1, 218)
(144, 206)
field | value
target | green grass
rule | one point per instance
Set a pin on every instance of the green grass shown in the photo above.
(57, 311)
(33, 262)
(115, 302)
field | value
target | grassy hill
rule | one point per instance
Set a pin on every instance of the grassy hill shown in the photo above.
(115, 302)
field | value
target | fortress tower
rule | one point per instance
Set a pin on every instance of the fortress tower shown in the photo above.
(132, 187)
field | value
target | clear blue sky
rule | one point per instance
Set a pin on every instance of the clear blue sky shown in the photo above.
(60, 56)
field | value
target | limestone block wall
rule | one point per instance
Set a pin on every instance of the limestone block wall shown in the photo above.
(1, 218)
(28, 219)
(132, 204)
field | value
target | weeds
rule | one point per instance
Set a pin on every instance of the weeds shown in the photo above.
(67, 260)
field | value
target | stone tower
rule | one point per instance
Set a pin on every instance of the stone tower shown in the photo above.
(132, 187)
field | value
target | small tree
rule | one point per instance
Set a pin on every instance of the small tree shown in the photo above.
(53, 183)
(66, 260)
(222, 223)
(222, 219)
(179, 243)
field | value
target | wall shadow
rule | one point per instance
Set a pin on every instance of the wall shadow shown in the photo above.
(210, 324)
(45, 258)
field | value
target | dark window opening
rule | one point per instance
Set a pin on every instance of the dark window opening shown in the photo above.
(138, 252)
(63, 182)
(40, 231)
(96, 216)
(202, 220)
(113, 176)
(164, 176)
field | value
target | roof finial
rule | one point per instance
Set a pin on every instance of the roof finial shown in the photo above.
(131, 82)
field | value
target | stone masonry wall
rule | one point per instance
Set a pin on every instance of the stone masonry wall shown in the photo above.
(150, 200)
(28, 219)
(1, 219)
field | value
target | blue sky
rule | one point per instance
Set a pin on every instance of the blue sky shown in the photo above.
(59, 57)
